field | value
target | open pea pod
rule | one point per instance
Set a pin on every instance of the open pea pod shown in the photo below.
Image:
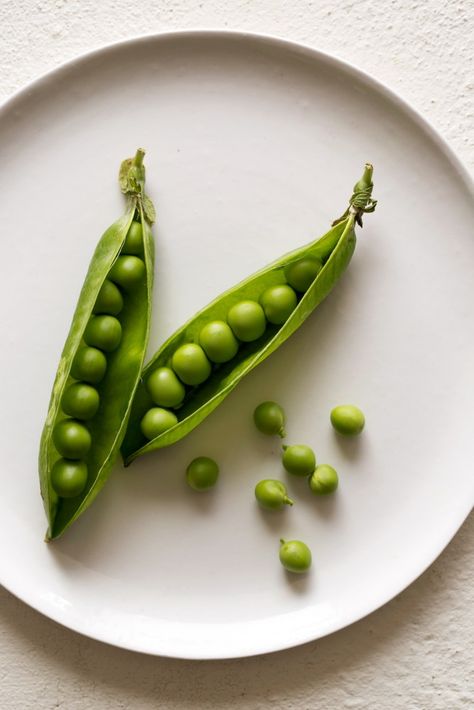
(333, 252)
(101, 361)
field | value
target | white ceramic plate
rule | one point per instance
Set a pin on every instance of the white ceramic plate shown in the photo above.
(253, 145)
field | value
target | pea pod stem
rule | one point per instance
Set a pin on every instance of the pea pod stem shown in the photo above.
(288, 501)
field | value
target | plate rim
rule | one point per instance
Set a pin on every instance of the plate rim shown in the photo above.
(462, 172)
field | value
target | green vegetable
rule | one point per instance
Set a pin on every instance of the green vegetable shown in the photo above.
(247, 320)
(71, 439)
(299, 459)
(191, 364)
(103, 332)
(347, 419)
(269, 418)
(202, 473)
(109, 300)
(156, 421)
(301, 274)
(295, 556)
(133, 243)
(113, 365)
(272, 494)
(68, 478)
(218, 341)
(89, 365)
(334, 250)
(80, 401)
(278, 303)
(128, 271)
(324, 480)
(164, 387)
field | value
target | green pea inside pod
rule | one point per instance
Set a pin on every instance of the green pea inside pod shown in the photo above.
(272, 494)
(128, 271)
(80, 401)
(269, 418)
(165, 388)
(247, 320)
(295, 556)
(301, 274)
(103, 332)
(190, 363)
(69, 478)
(134, 240)
(109, 300)
(71, 439)
(299, 459)
(202, 473)
(89, 365)
(324, 480)
(278, 303)
(218, 341)
(156, 421)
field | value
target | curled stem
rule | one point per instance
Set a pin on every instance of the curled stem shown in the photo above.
(361, 200)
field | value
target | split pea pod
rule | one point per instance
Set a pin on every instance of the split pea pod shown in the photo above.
(202, 362)
(101, 361)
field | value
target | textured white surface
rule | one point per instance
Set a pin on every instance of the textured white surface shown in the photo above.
(414, 653)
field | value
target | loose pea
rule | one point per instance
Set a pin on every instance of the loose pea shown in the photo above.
(103, 332)
(164, 387)
(71, 439)
(218, 341)
(295, 556)
(89, 365)
(299, 459)
(272, 494)
(278, 303)
(156, 421)
(301, 274)
(109, 299)
(347, 419)
(247, 320)
(128, 271)
(190, 363)
(69, 478)
(202, 473)
(324, 480)
(133, 243)
(80, 401)
(269, 418)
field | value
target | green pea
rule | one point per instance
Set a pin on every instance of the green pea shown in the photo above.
(295, 556)
(190, 363)
(278, 303)
(103, 332)
(247, 320)
(347, 419)
(69, 478)
(89, 365)
(80, 401)
(202, 473)
(156, 421)
(299, 459)
(128, 271)
(71, 439)
(324, 480)
(109, 299)
(218, 341)
(269, 418)
(272, 494)
(301, 274)
(133, 243)
(164, 387)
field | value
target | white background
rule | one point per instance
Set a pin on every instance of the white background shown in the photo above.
(416, 652)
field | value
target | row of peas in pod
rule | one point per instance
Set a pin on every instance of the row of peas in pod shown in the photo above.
(102, 336)
(192, 363)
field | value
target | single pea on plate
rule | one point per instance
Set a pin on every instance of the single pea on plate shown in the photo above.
(295, 556)
(347, 419)
(324, 480)
(202, 473)
(272, 494)
(269, 418)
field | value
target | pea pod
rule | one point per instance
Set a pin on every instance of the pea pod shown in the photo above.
(324, 260)
(88, 412)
